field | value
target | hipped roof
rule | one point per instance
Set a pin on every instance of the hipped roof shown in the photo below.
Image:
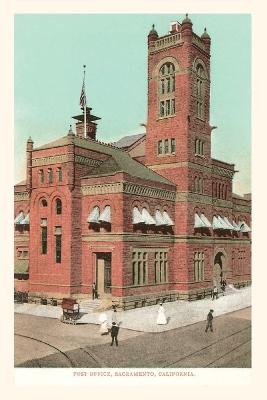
(120, 160)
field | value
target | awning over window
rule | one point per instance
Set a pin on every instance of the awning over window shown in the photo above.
(224, 224)
(94, 216)
(228, 223)
(201, 221)
(198, 222)
(160, 221)
(205, 220)
(137, 216)
(216, 224)
(244, 227)
(105, 216)
(149, 220)
(167, 219)
(26, 220)
(236, 227)
(19, 218)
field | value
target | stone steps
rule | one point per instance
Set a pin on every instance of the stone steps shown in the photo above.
(88, 306)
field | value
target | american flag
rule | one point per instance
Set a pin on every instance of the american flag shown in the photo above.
(83, 97)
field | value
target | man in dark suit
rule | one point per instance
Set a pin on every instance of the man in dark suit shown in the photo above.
(209, 321)
(114, 333)
(94, 292)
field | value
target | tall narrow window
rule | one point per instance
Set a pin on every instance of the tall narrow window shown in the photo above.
(50, 175)
(162, 86)
(160, 147)
(172, 106)
(161, 267)
(166, 90)
(166, 146)
(168, 85)
(173, 83)
(198, 270)
(43, 236)
(173, 146)
(139, 268)
(200, 91)
(59, 174)
(41, 172)
(58, 206)
(58, 244)
(162, 108)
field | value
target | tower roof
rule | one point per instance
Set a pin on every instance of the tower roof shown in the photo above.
(187, 20)
(153, 31)
(89, 116)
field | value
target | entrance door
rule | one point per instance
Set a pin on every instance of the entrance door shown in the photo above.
(103, 273)
(219, 269)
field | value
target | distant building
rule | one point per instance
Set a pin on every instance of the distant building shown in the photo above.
(148, 218)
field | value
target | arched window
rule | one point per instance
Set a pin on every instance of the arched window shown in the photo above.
(166, 90)
(58, 207)
(200, 91)
(44, 203)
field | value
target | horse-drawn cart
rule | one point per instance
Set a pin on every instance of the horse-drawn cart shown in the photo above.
(71, 311)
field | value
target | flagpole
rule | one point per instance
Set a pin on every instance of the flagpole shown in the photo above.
(84, 108)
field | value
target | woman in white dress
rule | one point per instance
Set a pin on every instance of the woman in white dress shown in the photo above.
(161, 319)
(103, 319)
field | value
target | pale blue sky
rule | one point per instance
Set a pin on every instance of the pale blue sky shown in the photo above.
(50, 51)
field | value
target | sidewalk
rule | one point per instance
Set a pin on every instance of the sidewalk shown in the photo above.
(179, 313)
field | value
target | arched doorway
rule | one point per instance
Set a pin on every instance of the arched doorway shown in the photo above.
(219, 269)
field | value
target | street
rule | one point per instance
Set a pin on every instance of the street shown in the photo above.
(45, 342)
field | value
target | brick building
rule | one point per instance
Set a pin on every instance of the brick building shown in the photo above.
(150, 217)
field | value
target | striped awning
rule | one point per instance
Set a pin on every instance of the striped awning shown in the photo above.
(149, 220)
(105, 216)
(167, 219)
(94, 216)
(19, 218)
(137, 216)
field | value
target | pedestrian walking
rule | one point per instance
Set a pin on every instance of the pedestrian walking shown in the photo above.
(209, 321)
(161, 318)
(223, 286)
(215, 293)
(114, 333)
(103, 319)
(94, 292)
